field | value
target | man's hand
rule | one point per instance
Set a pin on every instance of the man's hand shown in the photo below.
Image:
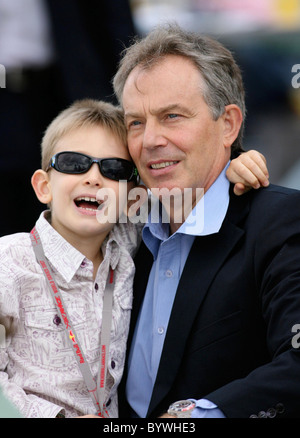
(248, 171)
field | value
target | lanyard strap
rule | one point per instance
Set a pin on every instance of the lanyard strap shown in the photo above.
(96, 390)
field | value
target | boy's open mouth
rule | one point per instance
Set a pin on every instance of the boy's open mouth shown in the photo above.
(87, 203)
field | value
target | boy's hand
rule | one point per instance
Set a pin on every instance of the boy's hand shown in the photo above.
(248, 171)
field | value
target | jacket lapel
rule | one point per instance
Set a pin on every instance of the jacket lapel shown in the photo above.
(143, 263)
(205, 259)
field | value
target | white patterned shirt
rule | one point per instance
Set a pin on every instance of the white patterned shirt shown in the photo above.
(38, 370)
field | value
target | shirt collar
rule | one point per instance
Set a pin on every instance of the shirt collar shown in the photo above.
(206, 217)
(210, 210)
(111, 247)
(63, 256)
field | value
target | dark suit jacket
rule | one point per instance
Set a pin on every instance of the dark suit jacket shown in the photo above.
(230, 330)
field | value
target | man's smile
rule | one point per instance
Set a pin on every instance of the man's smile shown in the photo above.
(163, 164)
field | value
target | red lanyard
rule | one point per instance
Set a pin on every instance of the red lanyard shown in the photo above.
(96, 389)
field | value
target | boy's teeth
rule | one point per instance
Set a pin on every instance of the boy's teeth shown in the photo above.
(86, 198)
(87, 203)
(162, 165)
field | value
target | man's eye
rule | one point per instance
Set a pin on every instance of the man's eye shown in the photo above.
(135, 123)
(172, 116)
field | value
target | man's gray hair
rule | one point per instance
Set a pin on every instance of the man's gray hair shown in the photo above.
(221, 75)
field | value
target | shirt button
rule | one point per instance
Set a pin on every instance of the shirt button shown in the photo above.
(160, 330)
(169, 273)
(56, 320)
(83, 264)
(96, 286)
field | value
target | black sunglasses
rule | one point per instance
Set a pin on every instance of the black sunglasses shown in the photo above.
(76, 163)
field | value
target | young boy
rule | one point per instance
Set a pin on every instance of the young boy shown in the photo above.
(38, 371)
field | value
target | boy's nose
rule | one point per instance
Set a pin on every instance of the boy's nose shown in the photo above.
(93, 176)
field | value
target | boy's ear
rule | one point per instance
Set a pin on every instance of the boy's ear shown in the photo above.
(41, 185)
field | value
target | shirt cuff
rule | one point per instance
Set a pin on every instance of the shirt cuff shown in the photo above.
(206, 409)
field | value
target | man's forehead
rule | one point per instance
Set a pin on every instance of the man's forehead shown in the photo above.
(161, 99)
(167, 64)
(166, 83)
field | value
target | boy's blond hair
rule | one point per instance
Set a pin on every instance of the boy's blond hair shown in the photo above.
(82, 113)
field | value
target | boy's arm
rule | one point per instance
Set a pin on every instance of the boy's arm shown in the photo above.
(248, 171)
(28, 405)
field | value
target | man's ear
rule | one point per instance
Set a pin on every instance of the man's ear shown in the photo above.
(41, 185)
(233, 120)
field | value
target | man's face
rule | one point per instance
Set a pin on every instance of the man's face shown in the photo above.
(172, 136)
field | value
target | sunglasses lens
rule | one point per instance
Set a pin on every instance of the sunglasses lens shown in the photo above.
(117, 169)
(68, 162)
(112, 168)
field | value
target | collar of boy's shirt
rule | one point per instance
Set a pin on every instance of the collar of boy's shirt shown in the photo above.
(111, 249)
(63, 256)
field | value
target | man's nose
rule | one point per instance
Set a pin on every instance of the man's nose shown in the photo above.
(154, 135)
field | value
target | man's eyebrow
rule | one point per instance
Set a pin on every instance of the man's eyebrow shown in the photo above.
(131, 115)
(174, 107)
(177, 107)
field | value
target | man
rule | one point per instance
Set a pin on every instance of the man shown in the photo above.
(214, 305)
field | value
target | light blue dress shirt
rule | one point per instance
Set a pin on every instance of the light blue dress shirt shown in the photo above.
(170, 254)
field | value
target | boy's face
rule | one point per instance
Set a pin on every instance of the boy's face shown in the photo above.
(71, 216)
